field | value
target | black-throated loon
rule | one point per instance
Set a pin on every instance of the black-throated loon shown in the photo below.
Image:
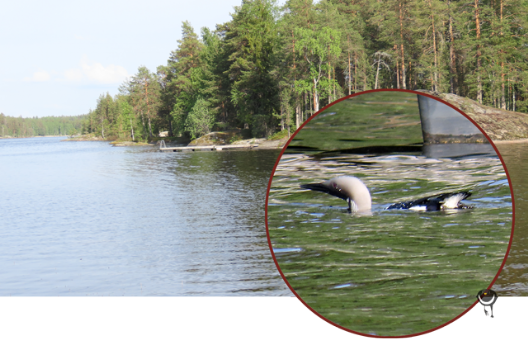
(356, 193)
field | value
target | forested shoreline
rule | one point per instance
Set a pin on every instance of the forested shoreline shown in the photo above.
(270, 68)
(18, 127)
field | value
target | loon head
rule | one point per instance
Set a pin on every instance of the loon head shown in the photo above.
(349, 188)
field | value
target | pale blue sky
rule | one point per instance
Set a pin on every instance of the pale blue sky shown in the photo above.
(58, 56)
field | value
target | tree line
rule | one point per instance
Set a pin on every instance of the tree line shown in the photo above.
(45, 126)
(270, 68)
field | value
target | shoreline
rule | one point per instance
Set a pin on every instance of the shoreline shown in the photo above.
(511, 141)
(260, 144)
(263, 144)
(34, 137)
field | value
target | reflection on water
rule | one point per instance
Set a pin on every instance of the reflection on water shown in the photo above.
(458, 150)
(513, 280)
(391, 272)
(375, 119)
(83, 218)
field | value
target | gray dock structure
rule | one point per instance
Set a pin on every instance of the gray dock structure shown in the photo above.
(164, 148)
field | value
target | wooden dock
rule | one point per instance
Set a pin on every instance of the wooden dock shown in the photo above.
(164, 148)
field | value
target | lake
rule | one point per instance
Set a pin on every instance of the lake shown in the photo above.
(513, 280)
(85, 218)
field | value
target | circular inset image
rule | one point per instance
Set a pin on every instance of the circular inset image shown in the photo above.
(388, 212)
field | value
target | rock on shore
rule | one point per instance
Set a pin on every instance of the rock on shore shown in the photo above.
(233, 138)
(499, 124)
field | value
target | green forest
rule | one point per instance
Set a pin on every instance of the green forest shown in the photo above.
(46, 126)
(270, 68)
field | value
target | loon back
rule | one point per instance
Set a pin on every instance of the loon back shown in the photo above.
(434, 203)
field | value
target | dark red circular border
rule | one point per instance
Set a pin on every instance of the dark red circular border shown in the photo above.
(386, 90)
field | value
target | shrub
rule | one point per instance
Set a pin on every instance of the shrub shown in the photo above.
(200, 120)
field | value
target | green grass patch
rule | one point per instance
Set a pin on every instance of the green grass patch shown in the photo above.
(279, 135)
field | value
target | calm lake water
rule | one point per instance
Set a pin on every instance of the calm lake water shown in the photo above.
(85, 218)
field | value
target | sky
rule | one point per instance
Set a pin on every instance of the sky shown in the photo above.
(58, 56)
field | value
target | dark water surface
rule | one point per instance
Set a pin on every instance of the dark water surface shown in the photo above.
(85, 218)
(513, 280)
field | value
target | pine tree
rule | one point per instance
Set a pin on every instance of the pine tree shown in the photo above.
(143, 90)
(292, 67)
(180, 92)
(252, 41)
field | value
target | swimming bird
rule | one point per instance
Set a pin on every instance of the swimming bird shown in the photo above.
(356, 193)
